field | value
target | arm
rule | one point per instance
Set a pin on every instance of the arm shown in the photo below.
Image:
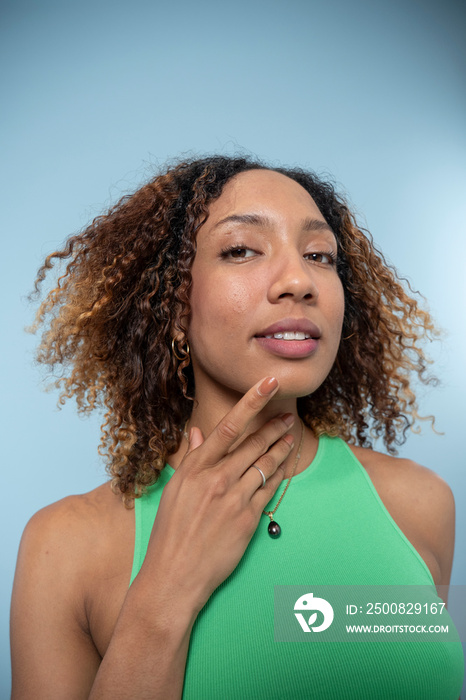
(420, 502)
(147, 655)
(425, 511)
(214, 491)
(441, 525)
(436, 505)
(53, 655)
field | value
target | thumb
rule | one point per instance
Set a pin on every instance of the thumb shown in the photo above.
(196, 438)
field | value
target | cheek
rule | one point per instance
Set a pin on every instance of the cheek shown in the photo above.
(238, 297)
(341, 304)
(220, 300)
(335, 306)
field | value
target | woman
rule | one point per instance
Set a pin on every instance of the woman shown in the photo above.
(234, 321)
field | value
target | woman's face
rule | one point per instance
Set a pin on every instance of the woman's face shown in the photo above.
(264, 267)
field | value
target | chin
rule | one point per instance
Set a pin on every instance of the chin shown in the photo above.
(295, 384)
(290, 393)
(295, 389)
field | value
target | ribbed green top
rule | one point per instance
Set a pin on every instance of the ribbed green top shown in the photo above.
(335, 531)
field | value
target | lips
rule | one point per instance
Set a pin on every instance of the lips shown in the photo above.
(291, 325)
(292, 338)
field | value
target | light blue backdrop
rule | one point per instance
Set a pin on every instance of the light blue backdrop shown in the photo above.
(96, 94)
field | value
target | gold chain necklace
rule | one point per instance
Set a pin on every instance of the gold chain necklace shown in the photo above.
(273, 528)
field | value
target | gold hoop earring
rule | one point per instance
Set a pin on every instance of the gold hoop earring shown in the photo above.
(349, 336)
(186, 351)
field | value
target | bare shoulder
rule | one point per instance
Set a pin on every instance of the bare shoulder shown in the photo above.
(73, 522)
(67, 548)
(421, 503)
(65, 543)
(406, 476)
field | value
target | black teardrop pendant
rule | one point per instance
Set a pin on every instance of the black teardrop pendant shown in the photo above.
(274, 530)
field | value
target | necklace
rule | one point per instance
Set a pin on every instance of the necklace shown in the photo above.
(273, 528)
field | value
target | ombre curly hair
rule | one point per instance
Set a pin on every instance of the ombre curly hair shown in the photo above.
(124, 296)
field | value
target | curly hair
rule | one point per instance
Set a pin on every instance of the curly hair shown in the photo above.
(125, 296)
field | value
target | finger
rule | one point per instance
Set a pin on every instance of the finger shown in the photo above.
(260, 443)
(262, 496)
(234, 424)
(195, 439)
(270, 463)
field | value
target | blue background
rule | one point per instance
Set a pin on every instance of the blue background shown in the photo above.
(96, 95)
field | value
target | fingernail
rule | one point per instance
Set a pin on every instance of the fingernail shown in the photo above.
(191, 434)
(289, 439)
(268, 386)
(288, 419)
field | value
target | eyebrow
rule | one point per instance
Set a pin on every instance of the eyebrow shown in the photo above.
(309, 224)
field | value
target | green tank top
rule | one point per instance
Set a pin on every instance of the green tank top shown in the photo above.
(335, 531)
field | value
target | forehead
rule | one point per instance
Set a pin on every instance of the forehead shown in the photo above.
(263, 192)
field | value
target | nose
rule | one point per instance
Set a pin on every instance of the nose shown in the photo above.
(293, 277)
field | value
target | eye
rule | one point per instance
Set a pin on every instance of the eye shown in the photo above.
(328, 258)
(238, 252)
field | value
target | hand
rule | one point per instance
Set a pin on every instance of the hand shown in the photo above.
(210, 508)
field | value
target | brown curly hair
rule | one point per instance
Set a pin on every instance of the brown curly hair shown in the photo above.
(125, 295)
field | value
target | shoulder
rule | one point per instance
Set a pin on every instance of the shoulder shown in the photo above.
(65, 550)
(68, 537)
(69, 551)
(405, 475)
(74, 515)
(421, 503)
